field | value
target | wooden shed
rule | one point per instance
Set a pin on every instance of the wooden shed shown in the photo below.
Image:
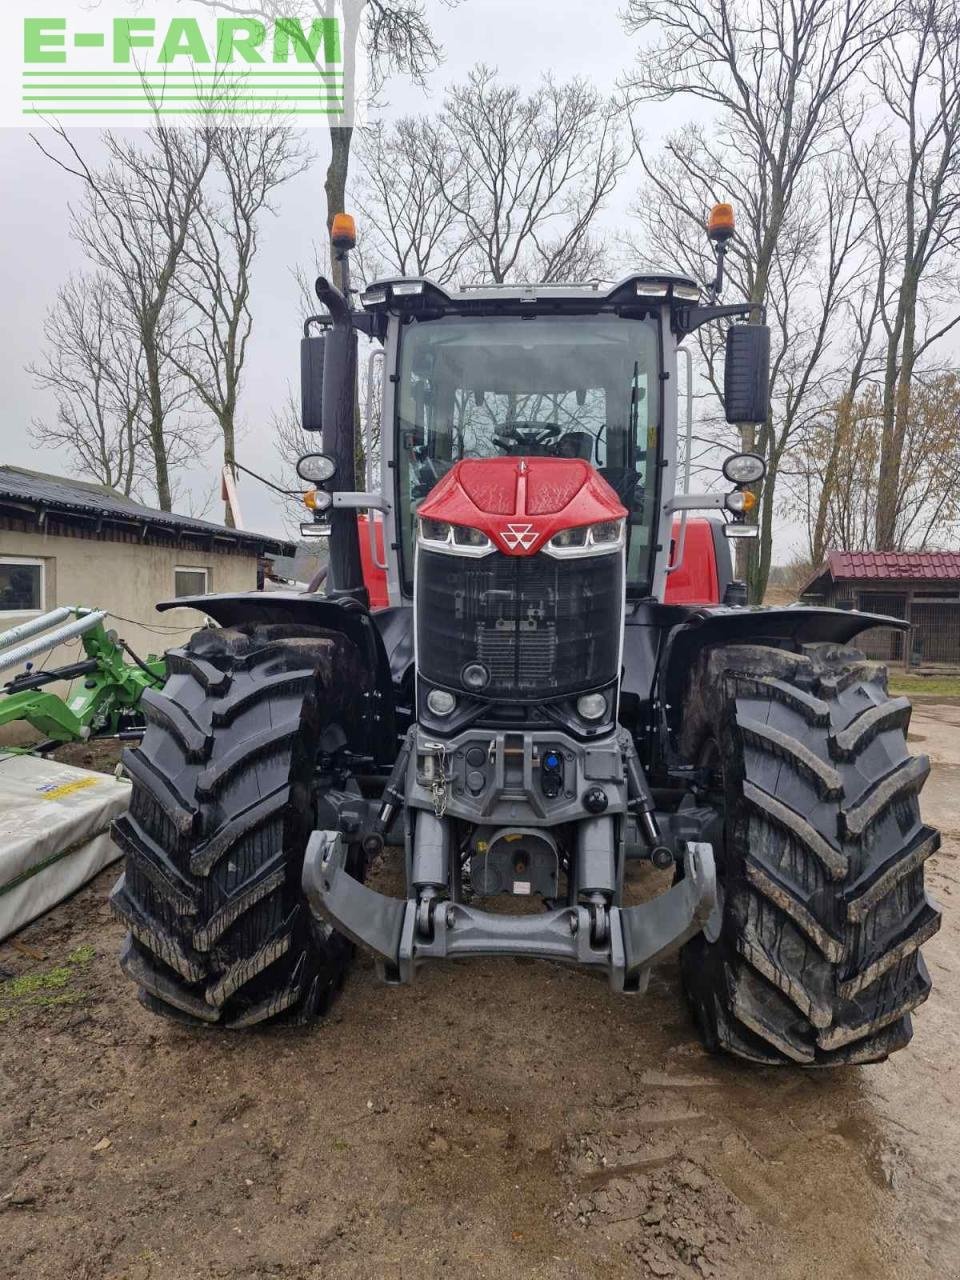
(923, 587)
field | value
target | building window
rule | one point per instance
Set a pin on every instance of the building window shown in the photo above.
(189, 582)
(21, 585)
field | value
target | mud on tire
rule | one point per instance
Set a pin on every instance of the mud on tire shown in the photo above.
(814, 956)
(221, 809)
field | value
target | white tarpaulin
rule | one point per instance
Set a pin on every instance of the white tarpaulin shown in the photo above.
(54, 833)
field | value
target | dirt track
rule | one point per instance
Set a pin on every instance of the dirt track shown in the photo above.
(497, 1120)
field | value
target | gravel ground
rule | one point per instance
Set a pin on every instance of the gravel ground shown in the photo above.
(501, 1119)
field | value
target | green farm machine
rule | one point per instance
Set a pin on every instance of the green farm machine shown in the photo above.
(106, 687)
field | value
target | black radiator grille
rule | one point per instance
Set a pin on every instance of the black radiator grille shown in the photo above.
(541, 626)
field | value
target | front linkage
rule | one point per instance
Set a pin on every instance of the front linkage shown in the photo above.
(481, 781)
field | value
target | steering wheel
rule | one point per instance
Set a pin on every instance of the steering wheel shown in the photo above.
(526, 436)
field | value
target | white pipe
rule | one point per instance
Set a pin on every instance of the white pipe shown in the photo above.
(228, 492)
(27, 629)
(73, 629)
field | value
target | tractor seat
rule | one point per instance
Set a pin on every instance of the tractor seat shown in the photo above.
(575, 444)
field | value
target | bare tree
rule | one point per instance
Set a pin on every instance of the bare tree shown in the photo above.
(916, 202)
(133, 224)
(859, 316)
(496, 186)
(214, 280)
(779, 76)
(777, 73)
(526, 175)
(409, 227)
(394, 34)
(817, 266)
(93, 365)
(927, 501)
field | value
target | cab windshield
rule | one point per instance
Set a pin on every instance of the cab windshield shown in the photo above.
(552, 386)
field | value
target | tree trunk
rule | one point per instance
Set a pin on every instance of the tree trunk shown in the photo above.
(335, 188)
(753, 555)
(229, 458)
(889, 474)
(897, 376)
(158, 443)
(818, 547)
(763, 549)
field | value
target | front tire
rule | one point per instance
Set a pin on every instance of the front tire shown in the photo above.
(814, 954)
(223, 802)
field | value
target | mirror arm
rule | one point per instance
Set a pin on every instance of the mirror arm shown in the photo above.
(696, 502)
(687, 319)
(334, 301)
(356, 501)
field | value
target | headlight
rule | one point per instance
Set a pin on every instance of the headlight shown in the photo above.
(465, 537)
(592, 706)
(453, 539)
(587, 539)
(608, 532)
(569, 538)
(440, 702)
(436, 532)
(744, 468)
(475, 675)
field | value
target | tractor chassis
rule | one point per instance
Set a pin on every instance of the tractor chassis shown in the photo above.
(404, 934)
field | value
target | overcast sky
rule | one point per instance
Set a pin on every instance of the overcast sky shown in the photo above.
(522, 40)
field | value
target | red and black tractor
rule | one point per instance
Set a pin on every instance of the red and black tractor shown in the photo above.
(546, 672)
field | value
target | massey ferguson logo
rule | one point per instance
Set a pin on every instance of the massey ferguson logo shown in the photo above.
(519, 535)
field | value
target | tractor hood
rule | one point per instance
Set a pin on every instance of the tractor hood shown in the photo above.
(521, 503)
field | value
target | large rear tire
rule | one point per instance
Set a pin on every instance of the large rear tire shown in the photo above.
(239, 747)
(814, 954)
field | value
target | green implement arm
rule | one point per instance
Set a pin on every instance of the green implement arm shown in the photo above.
(108, 698)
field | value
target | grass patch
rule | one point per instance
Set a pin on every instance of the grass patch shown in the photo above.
(933, 686)
(46, 990)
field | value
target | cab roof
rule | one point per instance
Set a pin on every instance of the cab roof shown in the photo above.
(419, 295)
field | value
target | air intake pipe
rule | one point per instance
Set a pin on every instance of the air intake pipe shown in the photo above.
(345, 577)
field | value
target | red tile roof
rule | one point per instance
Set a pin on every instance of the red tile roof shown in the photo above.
(891, 565)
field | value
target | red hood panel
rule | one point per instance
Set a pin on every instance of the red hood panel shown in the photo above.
(520, 503)
(490, 489)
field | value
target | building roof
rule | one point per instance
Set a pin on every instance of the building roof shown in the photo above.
(87, 500)
(896, 565)
(887, 566)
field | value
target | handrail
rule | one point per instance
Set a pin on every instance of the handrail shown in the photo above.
(682, 539)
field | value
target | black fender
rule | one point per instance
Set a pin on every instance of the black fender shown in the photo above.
(378, 736)
(787, 627)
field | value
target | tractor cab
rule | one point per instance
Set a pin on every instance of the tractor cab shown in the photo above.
(572, 372)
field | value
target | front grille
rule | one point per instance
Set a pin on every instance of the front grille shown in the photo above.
(541, 626)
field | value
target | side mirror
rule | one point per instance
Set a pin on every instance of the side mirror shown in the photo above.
(746, 374)
(314, 532)
(311, 381)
